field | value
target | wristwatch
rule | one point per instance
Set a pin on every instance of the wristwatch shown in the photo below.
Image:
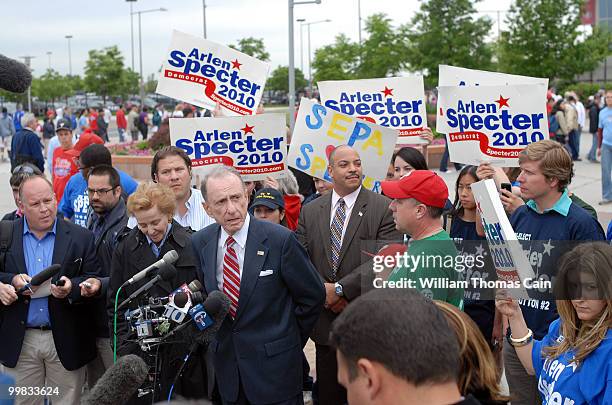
(339, 290)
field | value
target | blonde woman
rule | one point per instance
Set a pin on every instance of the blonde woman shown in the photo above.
(573, 362)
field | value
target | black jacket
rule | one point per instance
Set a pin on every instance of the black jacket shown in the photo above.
(106, 242)
(133, 254)
(593, 118)
(72, 327)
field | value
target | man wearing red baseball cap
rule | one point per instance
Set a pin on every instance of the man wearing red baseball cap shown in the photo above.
(430, 262)
(86, 139)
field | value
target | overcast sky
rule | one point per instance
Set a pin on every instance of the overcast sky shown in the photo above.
(36, 27)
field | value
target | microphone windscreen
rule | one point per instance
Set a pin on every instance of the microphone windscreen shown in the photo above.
(167, 272)
(14, 76)
(119, 382)
(180, 299)
(170, 257)
(46, 274)
(195, 285)
(197, 298)
(217, 304)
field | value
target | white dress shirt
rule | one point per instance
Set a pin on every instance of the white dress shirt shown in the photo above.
(239, 247)
(349, 201)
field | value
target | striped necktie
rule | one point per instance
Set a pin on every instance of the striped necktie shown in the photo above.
(336, 235)
(231, 275)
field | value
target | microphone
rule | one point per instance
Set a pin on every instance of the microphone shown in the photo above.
(119, 382)
(209, 317)
(169, 258)
(181, 300)
(166, 272)
(41, 277)
(14, 76)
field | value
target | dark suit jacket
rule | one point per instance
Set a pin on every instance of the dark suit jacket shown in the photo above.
(370, 221)
(73, 328)
(262, 347)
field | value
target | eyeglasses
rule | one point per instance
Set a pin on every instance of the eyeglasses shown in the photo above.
(101, 191)
(23, 169)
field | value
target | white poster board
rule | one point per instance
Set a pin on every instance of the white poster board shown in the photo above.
(318, 130)
(255, 145)
(458, 76)
(205, 73)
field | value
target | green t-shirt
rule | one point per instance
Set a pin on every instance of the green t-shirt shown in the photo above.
(429, 267)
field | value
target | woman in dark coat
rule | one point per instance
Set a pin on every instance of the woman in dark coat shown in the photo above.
(157, 233)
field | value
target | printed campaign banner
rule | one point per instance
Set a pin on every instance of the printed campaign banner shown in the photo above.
(205, 73)
(491, 123)
(318, 130)
(255, 145)
(394, 102)
(514, 272)
(458, 76)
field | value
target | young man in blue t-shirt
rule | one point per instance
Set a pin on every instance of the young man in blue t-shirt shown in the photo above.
(605, 149)
(546, 224)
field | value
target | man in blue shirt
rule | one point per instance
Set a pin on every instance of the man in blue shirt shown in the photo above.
(75, 201)
(605, 149)
(546, 224)
(46, 340)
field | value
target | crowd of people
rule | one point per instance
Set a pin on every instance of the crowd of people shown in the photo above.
(295, 258)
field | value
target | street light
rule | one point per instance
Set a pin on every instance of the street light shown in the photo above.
(69, 37)
(140, 47)
(309, 64)
(204, 17)
(49, 53)
(28, 62)
(132, 29)
(301, 20)
(291, 4)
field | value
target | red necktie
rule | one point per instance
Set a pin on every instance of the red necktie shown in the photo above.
(231, 275)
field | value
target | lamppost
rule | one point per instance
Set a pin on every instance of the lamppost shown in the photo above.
(28, 60)
(69, 37)
(309, 55)
(291, 4)
(132, 29)
(301, 20)
(49, 53)
(140, 48)
(204, 17)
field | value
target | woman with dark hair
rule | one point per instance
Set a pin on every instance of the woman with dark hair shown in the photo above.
(479, 306)
(268, 205)
(406, 160)
(573, 362)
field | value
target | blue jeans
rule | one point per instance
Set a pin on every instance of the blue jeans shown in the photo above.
(574, 143)
(445, 157)
(606, 171)
(593, 152)
(121, 134)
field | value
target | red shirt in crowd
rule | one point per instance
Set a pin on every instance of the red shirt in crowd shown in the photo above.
(63, 168)
(121, 121)
(293, 204)
(93, 123)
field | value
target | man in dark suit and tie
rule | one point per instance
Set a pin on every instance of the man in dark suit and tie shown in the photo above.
(336, 230)
(276, 296)
(47, 338)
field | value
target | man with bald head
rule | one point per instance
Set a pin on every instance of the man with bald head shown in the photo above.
(336, 229)
(46, 340)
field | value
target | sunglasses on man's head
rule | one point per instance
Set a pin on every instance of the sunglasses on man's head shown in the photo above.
(23, 169)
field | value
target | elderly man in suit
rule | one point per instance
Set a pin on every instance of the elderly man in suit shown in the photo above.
(336, 229)
(276, 296)
(47, 338)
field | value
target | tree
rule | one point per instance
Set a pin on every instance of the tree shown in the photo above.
(338, 61)
(445, 32)
(104, 72)
(544, 39)
(151, 84)
(279, 79)
(129, 83)
(384, 52)
(51, 86)
(252, 46)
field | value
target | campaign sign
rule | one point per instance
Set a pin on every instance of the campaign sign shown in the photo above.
(255, 145)
(318, 130)
(205, 73)
(457, 76)
(511, 264)
(394, 102)
(491, 123)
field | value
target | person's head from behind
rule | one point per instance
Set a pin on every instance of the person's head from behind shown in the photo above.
(37, 202)
(100, 111)
(546, 167)
(268, 205)
(345, 169)
(583, 293)
(188, 112)
(28, 120)
(153, 206)
(393, 343)
(464, 198)
(418, 201)
(4, 110)
(171, 166)
(322, 186)
(288, 184)
(406, 160)
(103, 188)
(478, 373)
(92, 155)
(225, 198)
(18, 175)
